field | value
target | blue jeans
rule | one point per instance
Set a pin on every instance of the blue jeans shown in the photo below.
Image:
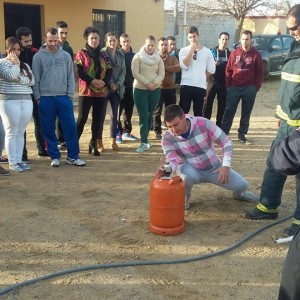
(191, 176)
(234, 95)
(273, 182)
(62, 107)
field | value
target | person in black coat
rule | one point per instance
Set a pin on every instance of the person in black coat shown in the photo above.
(285, 159)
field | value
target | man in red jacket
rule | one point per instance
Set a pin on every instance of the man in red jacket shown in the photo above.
(244, 76)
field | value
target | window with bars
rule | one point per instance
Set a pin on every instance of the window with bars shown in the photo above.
(108, 20)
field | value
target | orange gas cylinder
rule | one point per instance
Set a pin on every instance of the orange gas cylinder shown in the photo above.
(167, 206)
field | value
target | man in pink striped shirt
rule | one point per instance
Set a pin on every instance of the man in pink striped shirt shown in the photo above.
(188, 146)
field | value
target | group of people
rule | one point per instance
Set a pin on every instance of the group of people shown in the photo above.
(42, 83)
(113, 74)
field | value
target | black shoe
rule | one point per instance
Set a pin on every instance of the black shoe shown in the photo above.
(62, 146)
(292, 230)
(158, 135)
(256, 214)
(93, 148)
(242, 138)
(43, 153)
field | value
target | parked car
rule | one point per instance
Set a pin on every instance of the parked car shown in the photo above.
(273, 49)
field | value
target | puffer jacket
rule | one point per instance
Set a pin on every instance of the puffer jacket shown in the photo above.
(288, 108)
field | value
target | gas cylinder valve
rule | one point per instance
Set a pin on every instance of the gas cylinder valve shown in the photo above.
(167, 169)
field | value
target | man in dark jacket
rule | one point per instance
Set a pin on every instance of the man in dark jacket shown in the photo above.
(285, 159)
(288, 111)
(126, 103)
(24, 34)
(216, 82)
(244, 76)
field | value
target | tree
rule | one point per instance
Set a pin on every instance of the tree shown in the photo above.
(238, 9)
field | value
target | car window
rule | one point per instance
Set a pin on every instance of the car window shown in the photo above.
(277, 43)
(260, 43)
(287, 40)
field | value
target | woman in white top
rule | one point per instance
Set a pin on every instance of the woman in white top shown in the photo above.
(16, 80)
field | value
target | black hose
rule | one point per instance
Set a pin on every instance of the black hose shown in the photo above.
(143, 263)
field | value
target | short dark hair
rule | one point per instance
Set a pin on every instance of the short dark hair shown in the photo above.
(294, 12)
(124, 35)
(162, 39)
(247, 32)
(61, 24)
(150, 38)
(22, 31)
(171, 38)
(51, 30)
(193, 29)
(225, 33)
(172, 111)
(87, 31)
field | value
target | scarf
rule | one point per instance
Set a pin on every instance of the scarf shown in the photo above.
(94, 53)
(148, 59)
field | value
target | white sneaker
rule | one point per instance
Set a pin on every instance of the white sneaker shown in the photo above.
(25, 167)
(16, 168)
(129, 137)
(143, 147)
(248, 197)
(76, 162)
(55, 162)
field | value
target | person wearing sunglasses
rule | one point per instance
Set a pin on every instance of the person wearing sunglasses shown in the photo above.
(197, 63)
(288, 111)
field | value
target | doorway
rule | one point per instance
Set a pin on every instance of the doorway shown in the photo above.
(17, 15)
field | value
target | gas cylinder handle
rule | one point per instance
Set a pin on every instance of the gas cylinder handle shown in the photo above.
(175, 179)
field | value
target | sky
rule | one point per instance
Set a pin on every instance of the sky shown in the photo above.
(170, 3)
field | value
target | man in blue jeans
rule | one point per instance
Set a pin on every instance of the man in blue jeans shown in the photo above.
(288, 111)
(244, 76)
(54, 90)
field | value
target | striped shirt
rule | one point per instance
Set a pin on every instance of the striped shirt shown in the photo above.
(10, 72)
(198, 149)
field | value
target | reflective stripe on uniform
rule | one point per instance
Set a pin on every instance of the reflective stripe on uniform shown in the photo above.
(261, 207)
(290, 77)
(284, 116)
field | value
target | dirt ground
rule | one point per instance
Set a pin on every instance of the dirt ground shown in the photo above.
(53, 219)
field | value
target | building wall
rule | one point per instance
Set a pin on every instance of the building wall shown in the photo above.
(142, 17)
(265, 25)
(209, 28)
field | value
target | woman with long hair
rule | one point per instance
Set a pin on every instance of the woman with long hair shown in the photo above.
(94, 71)
(16, 79)
(148, 71)
(116, 86)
